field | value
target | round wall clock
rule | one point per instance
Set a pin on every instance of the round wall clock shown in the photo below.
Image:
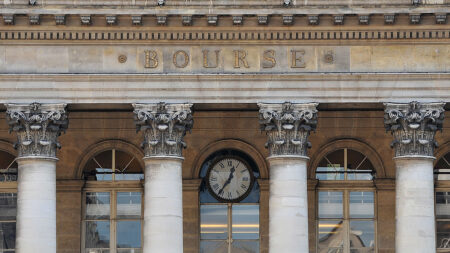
(229, 179)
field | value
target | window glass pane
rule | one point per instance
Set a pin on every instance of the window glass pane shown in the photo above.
(443, 234)
(7, 235)
(362, 235)
(103, 174)
(213, 247)
(129, 250)
(128, 205)
(331, 236)
(213, 222)
(128, 234)
(443, 205)
(361, 204)
(245, 246)
(245, 221)
(97, 235)
(97, 205)
(97, 251)
(330, 204)
(8, 206)
(128, 176)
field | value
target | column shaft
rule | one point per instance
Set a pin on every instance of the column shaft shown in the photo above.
(36, 205)
(163, 211)
(415, 221)
(288, 205)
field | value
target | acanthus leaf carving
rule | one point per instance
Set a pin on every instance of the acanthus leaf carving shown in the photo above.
(38, 127)
(164, 126)
(413, 127)
(288, 127)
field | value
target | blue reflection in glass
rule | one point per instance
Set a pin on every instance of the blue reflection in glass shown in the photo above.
(128, 234)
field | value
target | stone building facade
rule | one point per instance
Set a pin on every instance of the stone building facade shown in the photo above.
(243, 126)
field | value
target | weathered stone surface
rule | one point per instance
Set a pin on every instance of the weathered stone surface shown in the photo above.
(231, 59)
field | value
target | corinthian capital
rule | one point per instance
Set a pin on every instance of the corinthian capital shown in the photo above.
(413, 126)
(288, 127)
(164, 127)
(38, 127)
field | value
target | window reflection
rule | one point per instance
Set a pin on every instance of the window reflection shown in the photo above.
(330, 204)
(346, 229)
(213, 222)
(113, 226)
(361, 205)
(97, 234)
(245, 221)
(128, 205)
(362, 235)
(97, 205)
(128, 234)
(443, 220)
(331, 236)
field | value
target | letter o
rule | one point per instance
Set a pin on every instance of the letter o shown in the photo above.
(186, 59)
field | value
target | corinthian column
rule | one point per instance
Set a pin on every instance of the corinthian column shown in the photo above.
(37, 127)
(288, 127)
(414, 126)
(164, 127)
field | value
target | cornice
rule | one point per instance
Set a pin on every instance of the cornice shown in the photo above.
(214, 15)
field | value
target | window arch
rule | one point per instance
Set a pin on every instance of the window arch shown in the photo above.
(112, 211)
(229, 226)
(346, 213)
(345, 164)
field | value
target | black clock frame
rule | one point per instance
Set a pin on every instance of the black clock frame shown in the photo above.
(243, 161)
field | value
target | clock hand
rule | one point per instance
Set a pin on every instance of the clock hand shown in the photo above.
(228, 180)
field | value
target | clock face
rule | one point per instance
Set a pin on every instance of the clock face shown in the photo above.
(230, 179)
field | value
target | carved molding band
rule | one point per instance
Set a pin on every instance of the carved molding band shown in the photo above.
(164, 127)
(414, 126)
(38, 127)
(288, 126)
(208, 35)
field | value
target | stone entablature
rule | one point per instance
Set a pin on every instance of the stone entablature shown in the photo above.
(413, 127)
(38, 127)
(164, 126)
(288, 126)
(213, 3)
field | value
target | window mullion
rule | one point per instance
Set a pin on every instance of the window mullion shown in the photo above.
(113, 222)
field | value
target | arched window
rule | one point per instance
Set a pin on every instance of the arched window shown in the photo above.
(113, 165)
(345, 164)
(229, 203)
(113, 212)
(442, 175)
(8, 202)
(346, 209)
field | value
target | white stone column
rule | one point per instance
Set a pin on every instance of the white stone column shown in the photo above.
(414, 126)
(288, 127)
(164, 127)
(37, 127)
